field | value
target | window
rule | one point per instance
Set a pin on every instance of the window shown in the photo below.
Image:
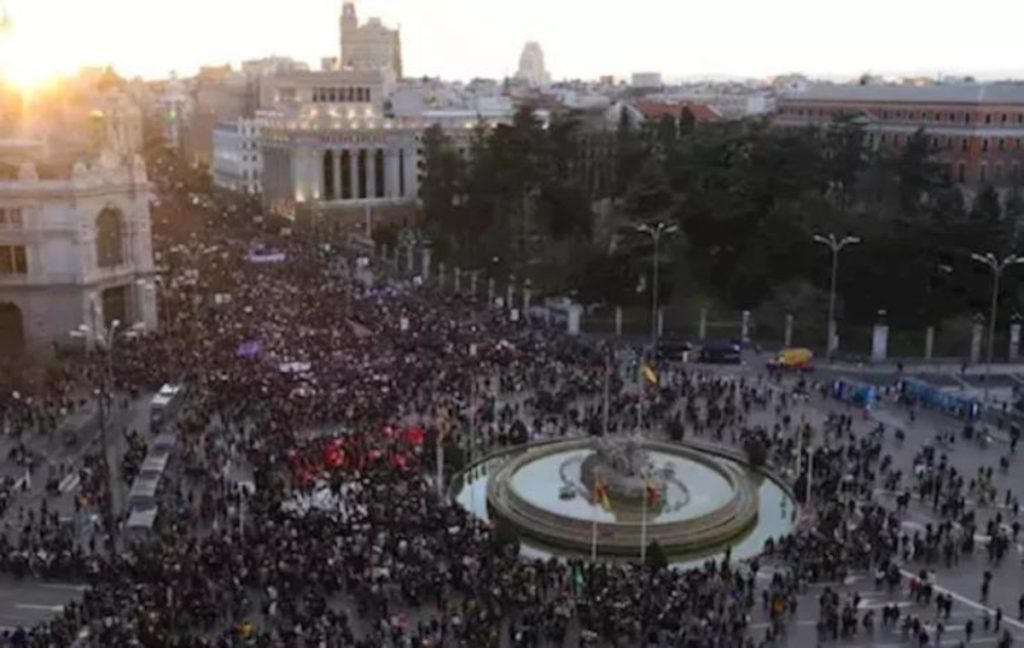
(13, 260)
(963, 145)
(1004, 118)
(10, 216)
(881, 138)
(999, 173)
(952, 117)
(896, 140)
(967, 118)
(961, 173)
(982, 173)
(984, 145)
(885, 114)
(109, 238)
(988, 119)
(1002, 144)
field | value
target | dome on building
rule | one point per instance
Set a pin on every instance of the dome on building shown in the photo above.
(531, 65)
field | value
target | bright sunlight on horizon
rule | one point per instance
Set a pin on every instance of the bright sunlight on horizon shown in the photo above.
(461, 39)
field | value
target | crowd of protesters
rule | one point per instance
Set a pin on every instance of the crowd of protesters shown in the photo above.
(308, 377)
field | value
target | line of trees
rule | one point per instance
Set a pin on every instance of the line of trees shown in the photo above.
(747, 197)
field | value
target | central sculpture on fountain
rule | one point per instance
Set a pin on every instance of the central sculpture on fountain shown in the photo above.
(620, 464)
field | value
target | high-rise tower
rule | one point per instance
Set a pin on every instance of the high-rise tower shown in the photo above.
(371, 46)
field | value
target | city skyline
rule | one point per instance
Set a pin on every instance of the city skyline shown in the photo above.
(460, 39)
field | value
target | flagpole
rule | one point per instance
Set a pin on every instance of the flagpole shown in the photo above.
(643, 525)
(593, 524)
(607, 393)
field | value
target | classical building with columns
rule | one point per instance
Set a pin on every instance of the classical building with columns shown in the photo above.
(334, 149)
(75, 246)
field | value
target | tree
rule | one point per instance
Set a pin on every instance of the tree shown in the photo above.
(687, 122)
(986, 206)
(443, 189)
(845, 157)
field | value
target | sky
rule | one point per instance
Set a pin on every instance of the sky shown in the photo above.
(462, 39)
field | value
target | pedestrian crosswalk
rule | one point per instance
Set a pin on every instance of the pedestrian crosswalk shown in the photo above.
(70, 482)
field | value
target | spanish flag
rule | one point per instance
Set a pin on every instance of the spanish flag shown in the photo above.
(601, 496)
(653, 494)
(649, 374)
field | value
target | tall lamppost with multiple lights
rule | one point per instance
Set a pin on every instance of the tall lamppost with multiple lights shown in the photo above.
(104, 393)
(655, 231)
(997, 266)
(836, 246)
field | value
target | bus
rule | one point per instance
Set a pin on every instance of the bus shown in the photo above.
(165, 405)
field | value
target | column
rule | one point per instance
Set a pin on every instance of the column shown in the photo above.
(411, 173)
(371, 173)
(337, 174)
(618, 321)
(1015, 339)
(880, 339)
(702, 329)
(391, 173)
(353, 172)
(788, 338)
(977, 331)
(929, 343)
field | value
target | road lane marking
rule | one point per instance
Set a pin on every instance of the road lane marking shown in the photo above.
(65, 586)
(70, 483)
(35, 606)
(966, 601)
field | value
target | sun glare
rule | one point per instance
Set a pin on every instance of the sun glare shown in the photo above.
(26, 62)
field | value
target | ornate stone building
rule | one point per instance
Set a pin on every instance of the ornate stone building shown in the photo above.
(75, 246)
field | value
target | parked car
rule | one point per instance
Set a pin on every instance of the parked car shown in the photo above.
(721, 353)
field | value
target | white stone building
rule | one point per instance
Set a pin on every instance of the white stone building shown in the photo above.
(532, 69)
(333, 147)
(75, 247)
(237, 160)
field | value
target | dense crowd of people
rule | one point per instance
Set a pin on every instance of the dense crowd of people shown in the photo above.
(304, 375)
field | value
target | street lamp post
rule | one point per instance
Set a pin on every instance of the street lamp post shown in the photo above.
(655, 231)
(836, 246)
(104, 398)
(997, 267)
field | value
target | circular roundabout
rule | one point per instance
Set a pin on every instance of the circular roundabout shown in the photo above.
(570, 497)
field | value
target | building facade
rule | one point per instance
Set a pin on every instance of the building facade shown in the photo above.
(532, 69)
(975, 130)
(237, 160)
(75, 247)
(369, 47)
(334, 148)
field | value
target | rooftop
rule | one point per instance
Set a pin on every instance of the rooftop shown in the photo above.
(966, 93)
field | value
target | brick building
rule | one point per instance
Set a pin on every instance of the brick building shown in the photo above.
(975, 130)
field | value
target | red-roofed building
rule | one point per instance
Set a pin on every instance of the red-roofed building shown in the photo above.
(641, 111)
(652, 110)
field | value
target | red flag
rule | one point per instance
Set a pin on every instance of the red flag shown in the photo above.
(334, 454)
(414, 435)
